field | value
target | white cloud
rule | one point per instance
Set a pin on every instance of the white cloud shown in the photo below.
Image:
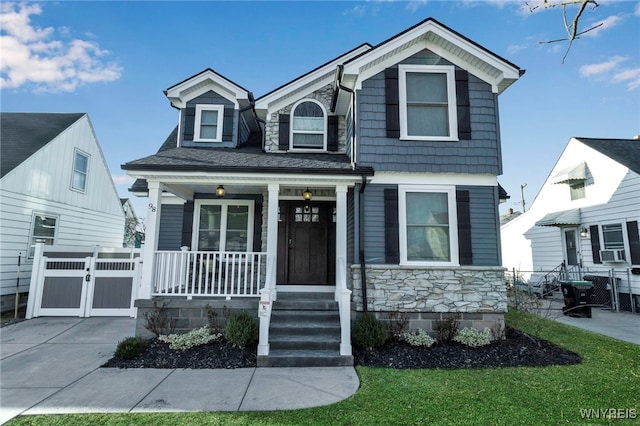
(414, 5)
(122, 179)
(512, 49)
(637, 11)
(605, 24)
(631, 77)
(610, 70)
(32, 56)
(602, 67)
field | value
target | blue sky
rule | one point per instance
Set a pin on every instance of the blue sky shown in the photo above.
(114, 59)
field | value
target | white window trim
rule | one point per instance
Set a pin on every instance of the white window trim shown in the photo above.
(324, 132)
(223, 221)
(453, 223)
(77, 151)
(451, 99)
(196, 130)
(33, 228)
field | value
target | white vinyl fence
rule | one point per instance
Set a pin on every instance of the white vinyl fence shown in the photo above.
(83, 282)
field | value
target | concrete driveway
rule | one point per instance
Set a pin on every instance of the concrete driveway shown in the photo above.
(52, 366)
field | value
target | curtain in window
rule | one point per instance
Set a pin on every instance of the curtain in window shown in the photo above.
(427, 227)
(308, 126)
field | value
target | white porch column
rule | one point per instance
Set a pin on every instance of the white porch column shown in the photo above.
(341, 222)
(268, 294)
(152, 231)
(272, 224)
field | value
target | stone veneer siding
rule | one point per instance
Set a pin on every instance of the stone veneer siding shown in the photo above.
(477, 294)
(322, 95)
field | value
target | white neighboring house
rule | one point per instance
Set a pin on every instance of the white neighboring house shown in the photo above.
(55, 186)
(586, 214)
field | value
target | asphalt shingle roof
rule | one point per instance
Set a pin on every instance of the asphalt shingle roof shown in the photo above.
(245, 159)
(22, 134)
(624, 151)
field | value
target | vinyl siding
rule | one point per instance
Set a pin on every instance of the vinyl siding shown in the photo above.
(42, 184)
(481, 154)
(211, 98)
(170, 236)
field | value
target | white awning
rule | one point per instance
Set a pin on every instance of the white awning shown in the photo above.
(574, 173)
(563, 218)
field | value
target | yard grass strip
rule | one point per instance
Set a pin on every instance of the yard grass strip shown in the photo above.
(607, 379)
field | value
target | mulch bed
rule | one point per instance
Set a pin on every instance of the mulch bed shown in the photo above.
(518, 349)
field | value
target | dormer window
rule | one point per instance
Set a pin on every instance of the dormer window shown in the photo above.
(308, 126)
(208, 126)
(427, 102)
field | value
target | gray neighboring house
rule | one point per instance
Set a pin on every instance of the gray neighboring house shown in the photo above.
(372, 179)
(55, 186)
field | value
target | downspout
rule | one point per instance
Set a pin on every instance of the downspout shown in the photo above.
(363, 270)
(337, 86)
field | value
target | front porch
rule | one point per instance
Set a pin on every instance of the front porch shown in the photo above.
(218, 268)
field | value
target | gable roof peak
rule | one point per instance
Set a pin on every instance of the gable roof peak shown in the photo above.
(208, 79)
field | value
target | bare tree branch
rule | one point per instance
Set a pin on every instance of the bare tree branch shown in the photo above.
(571, 29)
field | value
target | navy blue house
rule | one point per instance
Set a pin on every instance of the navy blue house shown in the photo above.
(370, 181)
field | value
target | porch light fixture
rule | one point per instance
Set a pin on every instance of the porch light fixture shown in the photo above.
(220, 191)
(584, 232)
(307, 195)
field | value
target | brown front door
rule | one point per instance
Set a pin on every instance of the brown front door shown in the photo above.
(306, 241)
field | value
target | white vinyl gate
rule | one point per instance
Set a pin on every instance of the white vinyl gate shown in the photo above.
(83, 282)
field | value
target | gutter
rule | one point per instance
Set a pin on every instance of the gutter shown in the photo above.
(337, 86)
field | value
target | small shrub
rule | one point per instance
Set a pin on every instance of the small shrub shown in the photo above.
(213, 319)
(472, 337)
(130, 347)
(369, 331)
(447, 328)
(418, 338)
(158, 321)
(398, 323)
(196, 337)
(241, 330)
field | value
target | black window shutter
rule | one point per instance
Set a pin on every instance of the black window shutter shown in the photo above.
(283, 132)
(392, 102)
(189, 123)
(464, 227)
(391, 227)
(332, 133)
(595, 243)
(187, 224)
(462, 99)
(227, 125)
(634, 242)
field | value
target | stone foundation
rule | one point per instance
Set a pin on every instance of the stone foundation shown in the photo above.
(191, 314)
(477, 295)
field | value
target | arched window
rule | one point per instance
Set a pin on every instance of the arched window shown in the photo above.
(308, 126)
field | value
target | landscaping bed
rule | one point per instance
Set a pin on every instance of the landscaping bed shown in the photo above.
(517, 349)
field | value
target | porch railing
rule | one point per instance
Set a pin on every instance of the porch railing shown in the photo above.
(206, 273)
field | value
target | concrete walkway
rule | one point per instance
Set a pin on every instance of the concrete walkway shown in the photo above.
(619, 325)
(52, 366)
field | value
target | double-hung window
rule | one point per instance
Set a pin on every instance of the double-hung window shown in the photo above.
(224, 225)
(208, 124)
(428, 225)
(427, 97)
(80, 171)
(613, 237)
(43, 229)
(308, 126)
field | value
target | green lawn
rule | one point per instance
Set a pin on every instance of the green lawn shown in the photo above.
(607, 378)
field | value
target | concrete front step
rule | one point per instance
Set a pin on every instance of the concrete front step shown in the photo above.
(305, 358)
(304, 332)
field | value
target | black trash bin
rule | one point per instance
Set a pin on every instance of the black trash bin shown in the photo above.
(578, 297)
